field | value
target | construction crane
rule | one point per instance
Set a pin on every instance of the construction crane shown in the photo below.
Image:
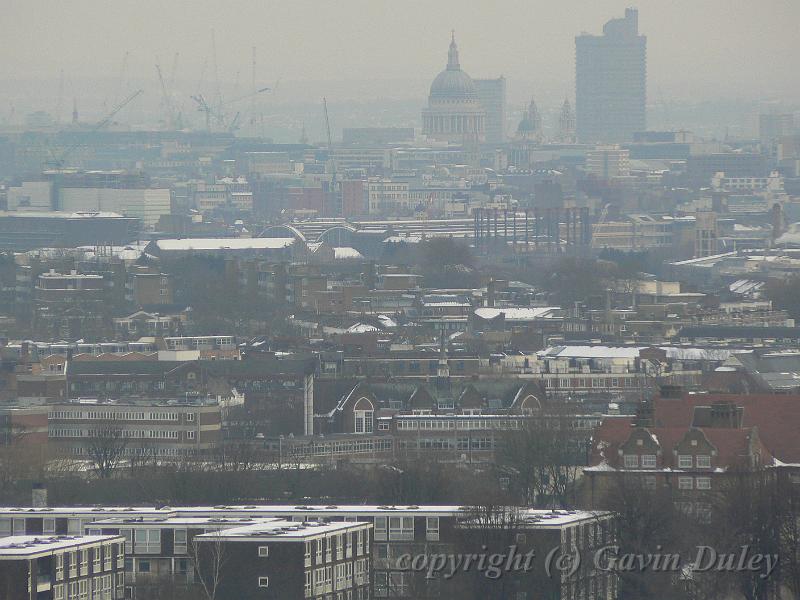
(330, 151)
(58, 163)
(166, 100)
(597, 226)
(217, 114)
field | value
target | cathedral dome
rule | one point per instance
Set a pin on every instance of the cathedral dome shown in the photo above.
(526, 125)
(453, 83)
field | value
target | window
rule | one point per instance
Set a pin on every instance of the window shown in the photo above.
(144, 566)
(147, 541)
(180, 541)
(380, 528)
(190, 417)
(84, 561)
(263, 551)
(363, 421)
(685, 483)
(19, 526)
(73, 564)
(190, 435)
(58, 592)
(432, 528)
(308, 554)
(381, 584)
(128, 535)
(685, 461)
(631, 461)
(263, 582)
(399, 582)
(703, 483)
(703, 461)
(49, 526)
(401, 528)
(648, 461)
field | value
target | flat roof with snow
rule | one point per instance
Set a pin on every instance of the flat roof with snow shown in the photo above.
(31, 546)
(187, 244)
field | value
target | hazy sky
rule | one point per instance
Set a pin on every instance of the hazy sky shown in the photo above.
(695, 47)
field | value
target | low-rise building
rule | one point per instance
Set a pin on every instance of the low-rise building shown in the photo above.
(60, 567)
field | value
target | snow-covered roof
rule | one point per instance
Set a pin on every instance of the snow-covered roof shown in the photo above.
(225, 243)
(345, 253)
(32, 545)
(517, 313)
(362, 328)
(629, 352)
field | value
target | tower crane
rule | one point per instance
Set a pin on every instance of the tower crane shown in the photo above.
(597, 226)
(169, 110)
(330, 150)
(219, 115)
(58, 163)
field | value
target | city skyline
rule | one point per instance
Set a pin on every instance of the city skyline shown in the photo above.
(350, 42)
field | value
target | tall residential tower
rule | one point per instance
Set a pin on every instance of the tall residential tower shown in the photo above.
(610, 81)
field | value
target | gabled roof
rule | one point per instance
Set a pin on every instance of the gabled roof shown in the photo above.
(470, 398)
(731, 445)
(777, 417)
(421, 399)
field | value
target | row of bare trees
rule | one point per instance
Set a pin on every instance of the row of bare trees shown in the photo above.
(750, 513)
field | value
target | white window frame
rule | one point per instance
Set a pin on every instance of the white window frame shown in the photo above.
(263, 581)
(182, 546)
(685, 461)
(631, 461)
(685, 483)
(649, 461)
(432, 528)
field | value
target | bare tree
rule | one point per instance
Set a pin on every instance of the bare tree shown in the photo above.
(106, 448)
(542, 461)
(208, 559)
(749, 511)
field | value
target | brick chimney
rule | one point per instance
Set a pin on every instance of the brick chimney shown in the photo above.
(726, 415)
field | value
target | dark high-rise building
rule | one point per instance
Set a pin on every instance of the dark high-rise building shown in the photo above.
(492, 95)
(610, 81)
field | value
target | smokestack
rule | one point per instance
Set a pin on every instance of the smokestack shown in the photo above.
(39, 496)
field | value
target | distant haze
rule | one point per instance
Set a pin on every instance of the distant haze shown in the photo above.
(368, 50)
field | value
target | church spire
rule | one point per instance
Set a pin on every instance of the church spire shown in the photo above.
(452, 54)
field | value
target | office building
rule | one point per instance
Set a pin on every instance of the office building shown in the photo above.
(30, 229)
(610, 81)
(608, 162)
(772, 127)
(492, 95)
(146, 204)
